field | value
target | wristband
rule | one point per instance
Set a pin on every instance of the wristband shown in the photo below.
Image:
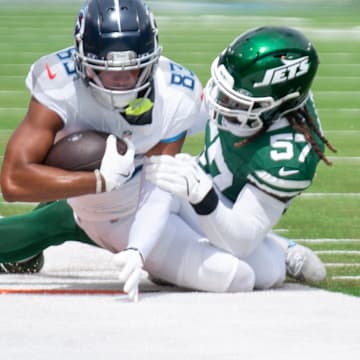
(98, 181)
(208, 204)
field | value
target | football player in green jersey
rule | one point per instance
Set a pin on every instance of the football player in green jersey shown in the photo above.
(262, 145)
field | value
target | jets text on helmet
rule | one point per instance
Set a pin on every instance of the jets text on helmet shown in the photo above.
(292, 69)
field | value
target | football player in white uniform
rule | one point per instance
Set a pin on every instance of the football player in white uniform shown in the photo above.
(262, 146)
(114, 80)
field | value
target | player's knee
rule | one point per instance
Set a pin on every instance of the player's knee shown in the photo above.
(217, 271)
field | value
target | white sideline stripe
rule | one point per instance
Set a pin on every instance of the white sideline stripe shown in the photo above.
(319, 241)
(339, 252)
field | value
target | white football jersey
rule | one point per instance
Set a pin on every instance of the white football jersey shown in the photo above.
(52, 80)
(177, 107)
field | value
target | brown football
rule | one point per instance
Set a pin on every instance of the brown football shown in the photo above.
(81, 151)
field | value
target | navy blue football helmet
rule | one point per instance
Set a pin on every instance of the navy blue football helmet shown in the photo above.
(116, 36)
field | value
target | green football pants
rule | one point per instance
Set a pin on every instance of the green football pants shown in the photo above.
(26, 235)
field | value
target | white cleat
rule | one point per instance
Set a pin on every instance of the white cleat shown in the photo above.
(304, 265)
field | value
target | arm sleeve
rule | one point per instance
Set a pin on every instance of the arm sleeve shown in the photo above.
(150, 218)
(240, 229)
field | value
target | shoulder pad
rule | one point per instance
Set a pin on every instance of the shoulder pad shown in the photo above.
(180, 93)
(53, 71)
(51, 81)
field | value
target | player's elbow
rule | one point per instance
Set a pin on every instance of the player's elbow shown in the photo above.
(9, 189)
(7, 193)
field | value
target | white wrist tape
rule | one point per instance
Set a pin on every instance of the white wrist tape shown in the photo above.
(98, 181)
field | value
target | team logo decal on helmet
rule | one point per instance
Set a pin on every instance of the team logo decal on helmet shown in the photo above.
(291, 70)
(260, 76)
(116, 39)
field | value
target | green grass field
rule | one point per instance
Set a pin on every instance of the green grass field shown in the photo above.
(325, 218)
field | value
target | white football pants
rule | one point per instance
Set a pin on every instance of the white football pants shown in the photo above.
(184, 257)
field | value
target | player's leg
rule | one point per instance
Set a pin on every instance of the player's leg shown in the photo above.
(184, 258)
(301, 262)
(24, 237)
(268, 263)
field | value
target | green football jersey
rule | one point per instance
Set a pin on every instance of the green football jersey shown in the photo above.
(280, 162)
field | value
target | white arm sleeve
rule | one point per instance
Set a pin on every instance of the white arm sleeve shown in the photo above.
(150, 218)
(240, 229)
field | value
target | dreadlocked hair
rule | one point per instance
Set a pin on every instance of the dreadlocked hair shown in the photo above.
(301, 121)
(252, 137)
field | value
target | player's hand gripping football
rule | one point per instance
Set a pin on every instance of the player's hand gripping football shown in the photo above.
(130, 264)
(115, 168)
(180, 175)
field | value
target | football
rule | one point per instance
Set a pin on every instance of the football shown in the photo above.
(81, 151)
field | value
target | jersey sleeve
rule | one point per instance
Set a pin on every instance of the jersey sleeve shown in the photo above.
(50, 81)
(184, 100)
(240, 228)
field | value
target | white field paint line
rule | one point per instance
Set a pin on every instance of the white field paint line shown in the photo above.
(10, 109)
(18, 203)
(343, 195)
(342, 132)
(342, 265)
(337, 252)
(320, 241)
(340, 109)
(328, 76)
(344, 158)
(281, 230)
(14, 91)
(345, 278)
(333, 92)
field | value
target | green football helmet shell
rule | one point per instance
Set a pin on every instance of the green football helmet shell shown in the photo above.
(260, 76)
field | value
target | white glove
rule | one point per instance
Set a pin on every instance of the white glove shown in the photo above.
(116, 169)
(180, 175)
(130, 263)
